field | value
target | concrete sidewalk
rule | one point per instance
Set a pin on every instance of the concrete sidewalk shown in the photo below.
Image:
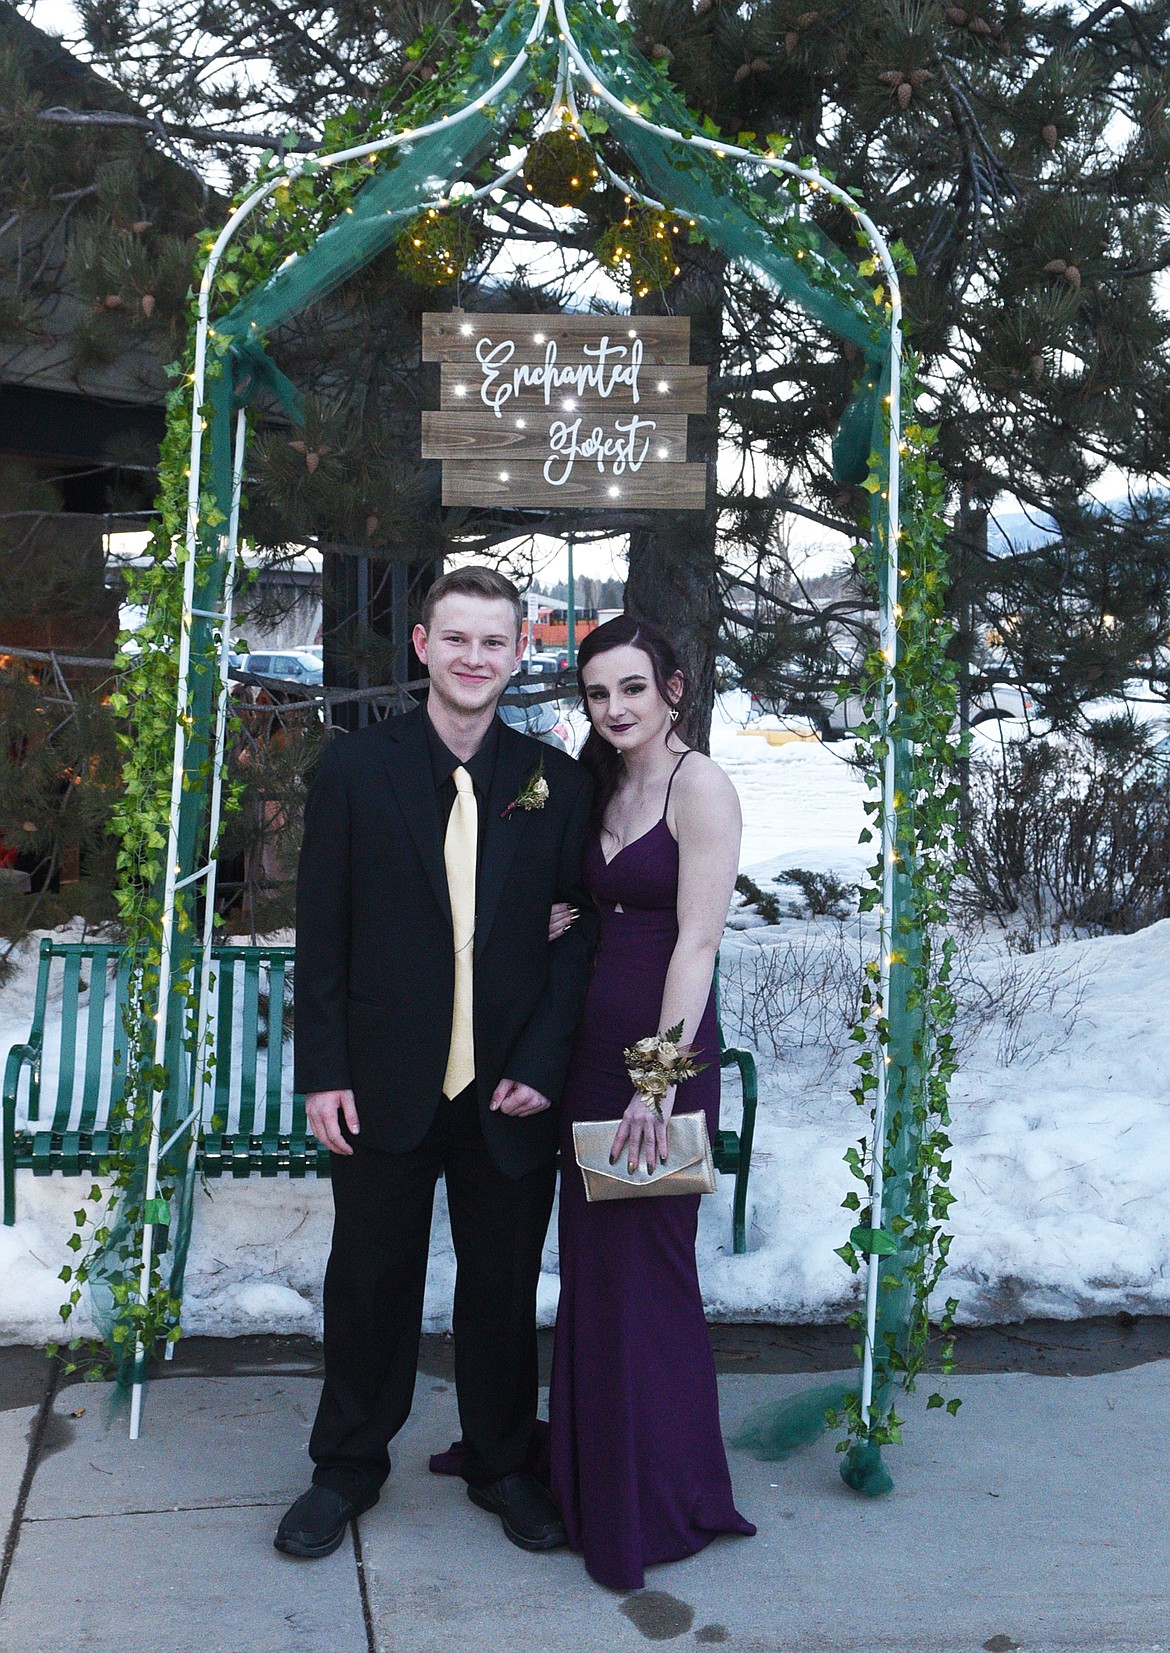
(1038, 1519)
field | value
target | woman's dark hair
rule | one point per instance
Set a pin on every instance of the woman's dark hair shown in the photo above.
(598, 756)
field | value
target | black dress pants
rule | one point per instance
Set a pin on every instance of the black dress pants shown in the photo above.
(374, 1286)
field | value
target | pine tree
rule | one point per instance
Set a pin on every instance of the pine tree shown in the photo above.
(1021, 151)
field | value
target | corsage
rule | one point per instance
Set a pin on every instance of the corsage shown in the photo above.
(657, 1062)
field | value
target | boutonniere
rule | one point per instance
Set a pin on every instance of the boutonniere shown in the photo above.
(532, 795)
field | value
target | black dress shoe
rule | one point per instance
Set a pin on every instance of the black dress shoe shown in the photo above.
(315, 1525)
(525, 1508)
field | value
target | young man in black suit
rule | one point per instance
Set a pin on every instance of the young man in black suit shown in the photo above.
(433, 1026)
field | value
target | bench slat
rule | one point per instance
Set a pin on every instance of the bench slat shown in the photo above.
(118, 1051)
(225, 972)
(92, 1078)
(67, 1051)
(274, 1054)
(248, 1046)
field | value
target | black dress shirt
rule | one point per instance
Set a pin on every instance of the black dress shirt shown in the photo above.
(481, 768)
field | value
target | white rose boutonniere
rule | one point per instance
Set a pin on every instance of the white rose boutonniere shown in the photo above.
(532, 795)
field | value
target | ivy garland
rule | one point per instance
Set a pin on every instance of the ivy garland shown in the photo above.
(913, 1242)
(110, 1227)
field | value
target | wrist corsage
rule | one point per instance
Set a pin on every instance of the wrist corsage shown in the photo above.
(657, 1062)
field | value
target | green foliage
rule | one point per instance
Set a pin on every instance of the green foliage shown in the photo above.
(763, 901)
(825, 895)
(913, 1044)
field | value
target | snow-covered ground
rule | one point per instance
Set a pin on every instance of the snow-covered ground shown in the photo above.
(1061, 1119)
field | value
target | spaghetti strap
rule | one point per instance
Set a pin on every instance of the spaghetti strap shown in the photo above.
(670, 782)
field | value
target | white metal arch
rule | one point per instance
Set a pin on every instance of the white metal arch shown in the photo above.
(574, 66)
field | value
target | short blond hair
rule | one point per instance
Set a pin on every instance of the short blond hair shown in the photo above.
(473, 581)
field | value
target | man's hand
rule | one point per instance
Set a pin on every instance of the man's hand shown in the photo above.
(517, 1100)
(322, 1109)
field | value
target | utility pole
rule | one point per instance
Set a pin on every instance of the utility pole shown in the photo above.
(572, 611)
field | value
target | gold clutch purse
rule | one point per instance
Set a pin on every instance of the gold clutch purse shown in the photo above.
(689, 1169)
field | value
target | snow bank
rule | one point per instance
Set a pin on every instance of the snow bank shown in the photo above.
(1061, 1120)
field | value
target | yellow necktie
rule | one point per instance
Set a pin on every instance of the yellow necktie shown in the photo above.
(459, 855)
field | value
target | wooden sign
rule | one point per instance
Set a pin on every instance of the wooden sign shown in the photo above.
(576, 410)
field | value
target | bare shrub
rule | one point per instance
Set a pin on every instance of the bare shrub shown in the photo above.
(800, 991)
(1031, 1002)
(1072, 833)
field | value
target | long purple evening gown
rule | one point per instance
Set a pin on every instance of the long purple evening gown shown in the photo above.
(638, 1464)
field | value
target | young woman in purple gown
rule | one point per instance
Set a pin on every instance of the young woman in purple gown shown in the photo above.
(638, 1464)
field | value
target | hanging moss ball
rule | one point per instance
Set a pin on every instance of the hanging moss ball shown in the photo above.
(434, 249)
(641, 250)
(561, 167)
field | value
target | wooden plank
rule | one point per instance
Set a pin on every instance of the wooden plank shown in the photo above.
(670, 389)
(453, 335)
(477, 434)
(654, 487)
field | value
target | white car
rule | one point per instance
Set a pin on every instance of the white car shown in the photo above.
(835, 719)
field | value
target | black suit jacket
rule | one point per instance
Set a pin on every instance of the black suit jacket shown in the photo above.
(375, 970)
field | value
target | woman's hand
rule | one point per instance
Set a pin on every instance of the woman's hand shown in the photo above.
(560, 919)
(642, 1134)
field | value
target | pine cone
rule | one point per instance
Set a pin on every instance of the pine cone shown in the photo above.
(905, 93)
(742, 73)
(957, 16)
(980, 25)
(112, 301)
(1037, 367)
(148, 302)
(1061, 267)
(1050, 135)
(372, 525)
(791, 40)
(142, 225)
(807, 19)
(313, 456)
(662, 53)
(703, 6)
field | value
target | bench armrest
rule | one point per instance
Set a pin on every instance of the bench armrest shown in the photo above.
(746, 1063)
(19, 1057)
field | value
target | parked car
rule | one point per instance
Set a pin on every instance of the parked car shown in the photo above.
(543, 662)
(834, 719)
(288, 666)
(542, 718)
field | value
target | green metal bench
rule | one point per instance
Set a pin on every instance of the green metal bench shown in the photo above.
(60, 1085)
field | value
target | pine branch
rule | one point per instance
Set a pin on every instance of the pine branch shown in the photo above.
(175, 129)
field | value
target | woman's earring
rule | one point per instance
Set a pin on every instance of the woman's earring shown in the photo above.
(674, 714)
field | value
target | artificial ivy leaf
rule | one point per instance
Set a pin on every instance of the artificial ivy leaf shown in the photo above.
(873, 1241)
